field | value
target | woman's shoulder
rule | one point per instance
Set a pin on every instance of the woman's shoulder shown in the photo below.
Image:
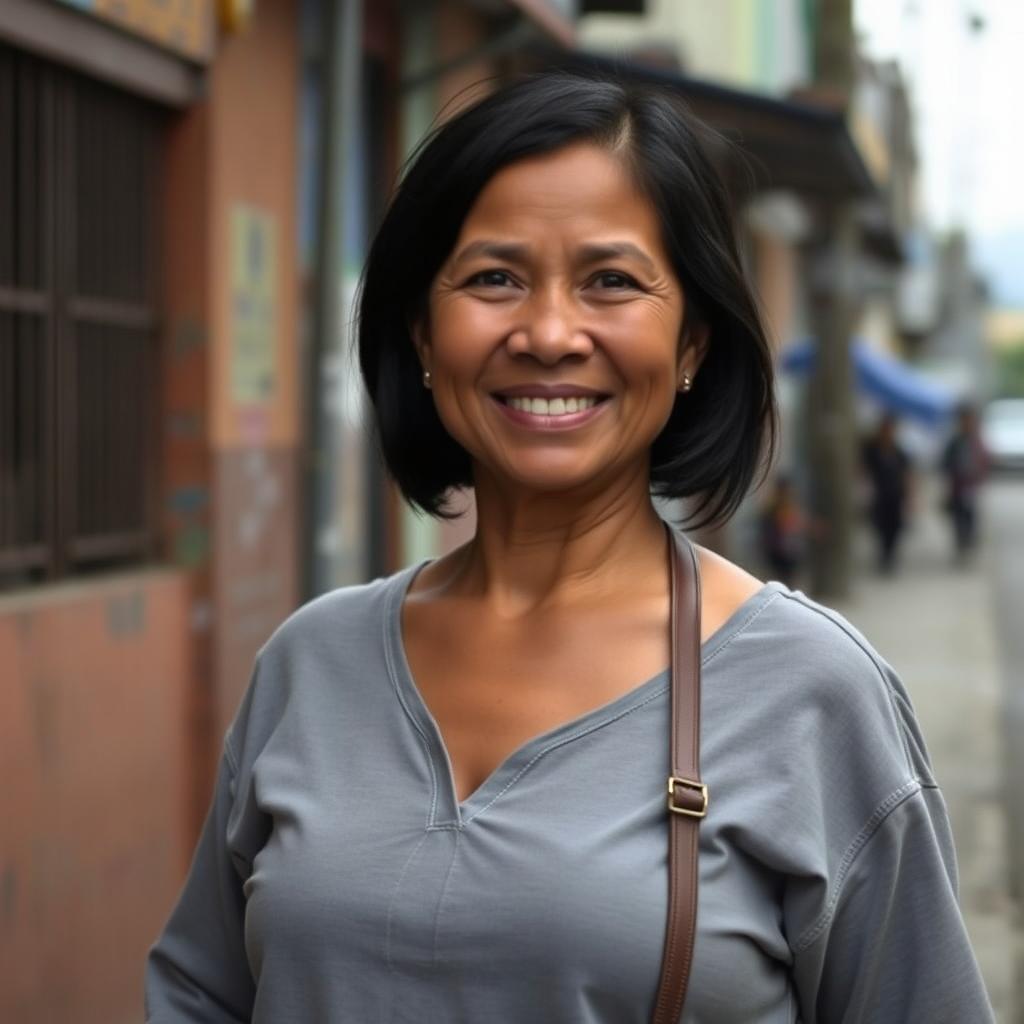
(809, 737)
(806, 669)
(337, 617)
(334, 642)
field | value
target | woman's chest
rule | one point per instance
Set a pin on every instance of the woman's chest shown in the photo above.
(547, 896)
(490, 688)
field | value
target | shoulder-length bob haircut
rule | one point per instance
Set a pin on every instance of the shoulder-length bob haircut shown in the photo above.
(713, 443)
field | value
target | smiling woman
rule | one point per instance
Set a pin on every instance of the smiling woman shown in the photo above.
(658, 230)
(443, 797)
(558, 290)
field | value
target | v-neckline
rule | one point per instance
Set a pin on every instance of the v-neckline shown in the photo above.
(446, 810)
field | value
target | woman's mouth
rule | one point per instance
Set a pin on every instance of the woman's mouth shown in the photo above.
(550, 412)
(551, 406)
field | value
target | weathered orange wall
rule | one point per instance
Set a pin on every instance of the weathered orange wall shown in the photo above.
(115, 690)
(254, 96)
(92, 806)
(231, 474)
(186, 465)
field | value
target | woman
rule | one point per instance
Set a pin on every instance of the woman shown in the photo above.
(442, 799)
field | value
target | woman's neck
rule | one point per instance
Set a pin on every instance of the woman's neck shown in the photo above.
(535, 551)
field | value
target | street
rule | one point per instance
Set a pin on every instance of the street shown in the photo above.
(955, 636)
(1005, 517)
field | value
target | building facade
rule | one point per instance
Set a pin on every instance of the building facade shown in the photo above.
(149, 454)
(184, 454)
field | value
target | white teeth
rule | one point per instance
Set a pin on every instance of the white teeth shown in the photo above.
(554, 407)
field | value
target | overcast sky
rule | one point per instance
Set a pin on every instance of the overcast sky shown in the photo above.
(967, 92)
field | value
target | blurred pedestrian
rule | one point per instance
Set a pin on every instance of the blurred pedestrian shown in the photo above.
(965, 465)
(783, 531)
(444, 795)
(887, 468)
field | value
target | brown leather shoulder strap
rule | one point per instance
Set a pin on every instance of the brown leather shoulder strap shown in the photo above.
(687, 795)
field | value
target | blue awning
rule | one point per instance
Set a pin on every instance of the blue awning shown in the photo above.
(897, 387)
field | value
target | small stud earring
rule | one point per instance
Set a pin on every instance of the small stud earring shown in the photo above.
(427, 379)
(686, 384)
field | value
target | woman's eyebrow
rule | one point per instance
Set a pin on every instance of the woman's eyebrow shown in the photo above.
(594, 252)
(506, 252)
(597, 252)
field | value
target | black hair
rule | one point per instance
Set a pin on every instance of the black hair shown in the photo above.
(716, 435)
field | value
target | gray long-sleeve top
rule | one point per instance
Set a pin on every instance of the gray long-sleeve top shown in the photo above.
(337, 879)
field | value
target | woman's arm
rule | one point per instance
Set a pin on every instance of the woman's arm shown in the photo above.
(197, 972)
(891, 947)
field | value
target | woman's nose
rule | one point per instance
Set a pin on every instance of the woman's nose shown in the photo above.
(550, 331)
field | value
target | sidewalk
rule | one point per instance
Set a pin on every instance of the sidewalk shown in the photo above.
(935, 625)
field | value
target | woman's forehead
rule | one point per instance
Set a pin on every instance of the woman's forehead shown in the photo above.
(582, 189)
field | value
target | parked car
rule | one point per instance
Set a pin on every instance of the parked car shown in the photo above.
(1002, 430)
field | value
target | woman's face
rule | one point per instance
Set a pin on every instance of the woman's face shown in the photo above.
(554, 336)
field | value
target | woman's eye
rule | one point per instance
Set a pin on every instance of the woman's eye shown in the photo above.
(613, 279)
(491, 279)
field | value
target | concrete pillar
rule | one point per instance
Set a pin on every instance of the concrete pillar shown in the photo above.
(831, 420)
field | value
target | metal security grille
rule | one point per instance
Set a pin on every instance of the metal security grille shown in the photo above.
(78, 322)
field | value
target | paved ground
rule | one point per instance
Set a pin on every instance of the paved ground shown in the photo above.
(937, 626)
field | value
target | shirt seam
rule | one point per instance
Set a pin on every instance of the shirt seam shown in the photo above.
(389, 923)
(390, 612)
(860, 841)
(872, 657)
(741, 627)
(436, 959)
(562, 741)
(230, 756)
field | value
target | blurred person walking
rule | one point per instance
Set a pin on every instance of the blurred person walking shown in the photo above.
(888, 470)
(965, 465)
(783, 531)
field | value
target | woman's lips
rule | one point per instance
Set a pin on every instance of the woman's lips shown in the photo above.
(549, 391)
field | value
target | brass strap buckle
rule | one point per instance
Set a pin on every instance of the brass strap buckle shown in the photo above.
(695, 787)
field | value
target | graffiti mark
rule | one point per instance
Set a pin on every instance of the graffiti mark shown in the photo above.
(192, 546)
(190, 500)
(189, 504)
(263, 494)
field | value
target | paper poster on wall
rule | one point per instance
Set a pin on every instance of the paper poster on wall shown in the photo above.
(253, 307)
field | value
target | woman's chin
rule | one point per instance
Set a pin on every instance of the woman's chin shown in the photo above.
(554, 480)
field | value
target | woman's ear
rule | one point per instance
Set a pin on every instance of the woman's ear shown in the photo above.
(693, 349)
(421, 342)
